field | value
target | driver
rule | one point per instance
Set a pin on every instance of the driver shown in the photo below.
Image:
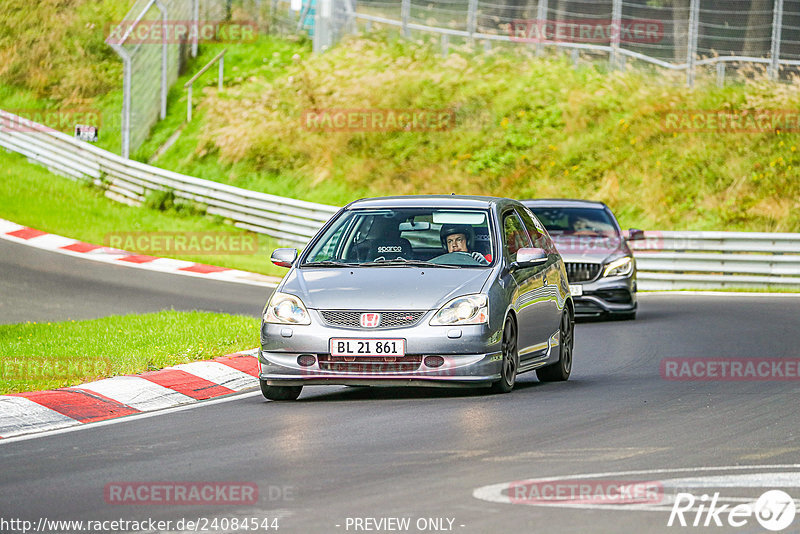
(584, 224)
(459, 238)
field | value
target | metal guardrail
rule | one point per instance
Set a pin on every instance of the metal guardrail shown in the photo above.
(714, 260)
(288, 220)
(666, 260)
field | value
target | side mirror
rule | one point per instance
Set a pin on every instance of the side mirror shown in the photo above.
(284, 257)
(529, 257)
(634, 234)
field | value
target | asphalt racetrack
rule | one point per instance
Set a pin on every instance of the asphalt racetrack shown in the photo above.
(366, 459)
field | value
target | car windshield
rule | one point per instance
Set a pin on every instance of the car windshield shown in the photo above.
(590, 222)
(411, 237)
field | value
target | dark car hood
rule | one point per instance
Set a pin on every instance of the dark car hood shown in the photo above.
(382, 288)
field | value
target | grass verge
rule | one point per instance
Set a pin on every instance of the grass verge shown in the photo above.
(31, 195)
(42, 356)
(523, 127)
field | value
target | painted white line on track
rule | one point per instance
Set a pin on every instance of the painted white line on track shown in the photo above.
(137, 393)
(19, 415)
(498, 493)
(135, 417)
(221, 374)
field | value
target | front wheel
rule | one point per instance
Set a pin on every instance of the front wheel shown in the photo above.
(280, 393)
(510, 362)
(559, 371)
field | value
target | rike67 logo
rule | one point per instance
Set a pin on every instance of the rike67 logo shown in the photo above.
(774, 510)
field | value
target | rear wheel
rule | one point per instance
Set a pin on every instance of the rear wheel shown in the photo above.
(560, 370)
(280, 393)
(510, 362)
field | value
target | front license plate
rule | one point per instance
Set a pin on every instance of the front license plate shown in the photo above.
(575, 291)
(367, 347)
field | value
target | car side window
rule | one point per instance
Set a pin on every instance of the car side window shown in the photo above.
(515, 236)
(537, 232)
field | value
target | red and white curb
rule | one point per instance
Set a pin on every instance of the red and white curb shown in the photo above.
(40, 411)
(18, 233)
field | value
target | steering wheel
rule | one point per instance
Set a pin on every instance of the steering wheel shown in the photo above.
(455, 258)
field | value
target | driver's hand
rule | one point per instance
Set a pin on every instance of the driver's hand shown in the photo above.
(477, 256)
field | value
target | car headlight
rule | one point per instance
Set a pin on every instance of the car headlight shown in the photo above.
(286, 309)
(469, 309)
(620, 267)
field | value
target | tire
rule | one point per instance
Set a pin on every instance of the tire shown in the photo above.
(280, 393)
(510, 361)
(560, 371)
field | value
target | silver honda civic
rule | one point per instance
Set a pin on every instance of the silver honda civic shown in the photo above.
(419, 291)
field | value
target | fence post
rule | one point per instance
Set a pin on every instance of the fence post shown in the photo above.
(164, 57)
(616, 19)
(721, 74)
(445, 44)
(405, 13)
(352, 21)
(322, 26)
(541, 22)
(472, 19)
(691, 49)
(196, 22)
(126, 103)
(775, 51)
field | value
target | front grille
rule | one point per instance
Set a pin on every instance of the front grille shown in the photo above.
(369, 364)
(582, 272)
(389, 319)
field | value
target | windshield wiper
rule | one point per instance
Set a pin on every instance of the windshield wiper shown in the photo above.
(402, 261)
(327, 263)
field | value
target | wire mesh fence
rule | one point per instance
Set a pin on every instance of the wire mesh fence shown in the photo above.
(154, 41)
(675, 34)
(157, 36)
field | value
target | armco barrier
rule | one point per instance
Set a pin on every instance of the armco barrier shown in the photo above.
(666, 260)
(289, 220)
(715, 260)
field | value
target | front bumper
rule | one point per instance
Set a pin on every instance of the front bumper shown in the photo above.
(471, 356)
(607, 296)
